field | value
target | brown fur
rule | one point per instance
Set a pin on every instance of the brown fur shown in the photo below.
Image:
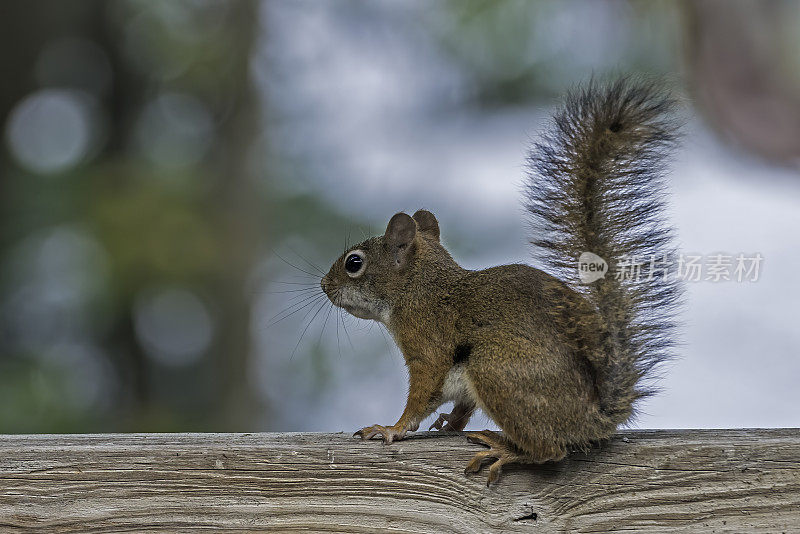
(525, 374)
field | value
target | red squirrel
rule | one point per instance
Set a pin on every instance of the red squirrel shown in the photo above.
(556, 363)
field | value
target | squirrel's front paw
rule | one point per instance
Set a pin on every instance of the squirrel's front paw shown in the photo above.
(454, 421)
(441, 423)
(444, 422)
(387, 433)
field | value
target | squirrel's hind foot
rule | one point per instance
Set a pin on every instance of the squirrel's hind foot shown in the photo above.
(500, 449)
(503, 451)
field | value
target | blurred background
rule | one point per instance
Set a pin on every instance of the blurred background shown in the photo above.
(173, 175)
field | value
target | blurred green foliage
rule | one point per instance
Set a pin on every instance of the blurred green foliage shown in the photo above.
(518, 50)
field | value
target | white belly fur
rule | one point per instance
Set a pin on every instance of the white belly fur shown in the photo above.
(457, 386)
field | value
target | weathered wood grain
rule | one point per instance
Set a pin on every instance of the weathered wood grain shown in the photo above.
(642, 481)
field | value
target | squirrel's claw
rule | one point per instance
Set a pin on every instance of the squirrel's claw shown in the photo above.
(439, 424)
(454, 421)
(445, 423)
(387, 433)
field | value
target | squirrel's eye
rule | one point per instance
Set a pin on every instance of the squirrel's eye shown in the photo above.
(353, 263)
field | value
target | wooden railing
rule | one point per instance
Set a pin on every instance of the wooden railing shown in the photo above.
(739, 481)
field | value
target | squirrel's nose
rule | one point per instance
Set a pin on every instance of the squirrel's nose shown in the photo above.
(324, 283)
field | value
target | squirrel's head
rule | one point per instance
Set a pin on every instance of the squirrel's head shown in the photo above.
(369, 276)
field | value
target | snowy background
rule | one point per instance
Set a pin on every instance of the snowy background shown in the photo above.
(378, 126)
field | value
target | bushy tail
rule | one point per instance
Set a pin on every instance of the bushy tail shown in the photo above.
(596, 185)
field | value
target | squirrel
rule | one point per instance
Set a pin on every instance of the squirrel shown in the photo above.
(558, 364)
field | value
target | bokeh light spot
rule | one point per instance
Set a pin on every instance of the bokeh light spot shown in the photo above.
(51, 130)
(173, 325)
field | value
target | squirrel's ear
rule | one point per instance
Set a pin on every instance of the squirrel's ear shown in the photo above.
(399, 237)
(427, 223)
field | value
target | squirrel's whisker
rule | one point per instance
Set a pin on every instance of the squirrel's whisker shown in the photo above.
(313, 266)
(346, 333)
(284, 260)
(325, 322)
(303, 290)
(309, 302)
(310, 322)
(296, 301)
(338, 342)
(307, 284)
